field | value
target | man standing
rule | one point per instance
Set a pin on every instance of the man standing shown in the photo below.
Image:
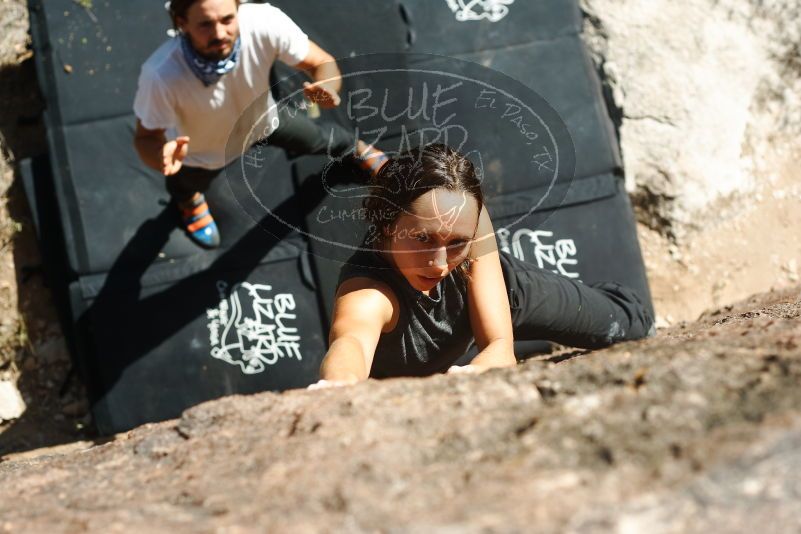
(194, 89)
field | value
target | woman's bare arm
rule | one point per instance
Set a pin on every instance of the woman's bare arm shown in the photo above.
(363, 309)
(488, 304)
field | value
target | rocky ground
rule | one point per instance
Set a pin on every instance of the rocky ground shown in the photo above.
(41, 403)
(696, 430)
(706, 99)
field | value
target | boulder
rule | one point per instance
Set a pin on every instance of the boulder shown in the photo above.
(11, 404)
(705, 94)
(697, 427)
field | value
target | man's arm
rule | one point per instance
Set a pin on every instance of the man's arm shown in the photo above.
(158, 153)
(322, 68)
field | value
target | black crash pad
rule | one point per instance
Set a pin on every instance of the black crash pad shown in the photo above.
(143, 300)
(158, 342)
(453, 27)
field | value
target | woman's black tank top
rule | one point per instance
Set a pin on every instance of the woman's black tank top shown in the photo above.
(432, 332)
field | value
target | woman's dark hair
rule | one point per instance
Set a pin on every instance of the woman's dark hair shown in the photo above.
(178, 8)
(409, 175)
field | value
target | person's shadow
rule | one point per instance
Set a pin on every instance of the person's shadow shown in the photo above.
(156, 286)
(138, 320)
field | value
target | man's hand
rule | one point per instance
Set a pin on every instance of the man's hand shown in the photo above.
(323, 96)
(327, 80)
(173, 155)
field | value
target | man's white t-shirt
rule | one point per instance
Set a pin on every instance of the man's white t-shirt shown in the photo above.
(171, 97)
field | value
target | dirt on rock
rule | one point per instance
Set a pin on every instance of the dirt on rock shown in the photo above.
(33, 351)
(697, 427)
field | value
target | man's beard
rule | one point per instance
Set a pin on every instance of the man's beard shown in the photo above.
(216, 54)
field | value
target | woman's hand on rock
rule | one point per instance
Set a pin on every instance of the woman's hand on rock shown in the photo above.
(323, 384)
(469, 369)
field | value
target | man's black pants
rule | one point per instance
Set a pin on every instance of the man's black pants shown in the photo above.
(295, 133)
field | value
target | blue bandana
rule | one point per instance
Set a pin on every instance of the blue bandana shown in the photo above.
(208, 71)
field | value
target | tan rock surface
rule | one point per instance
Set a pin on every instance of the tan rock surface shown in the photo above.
(707, 99)
(696, 426)
(707, 96)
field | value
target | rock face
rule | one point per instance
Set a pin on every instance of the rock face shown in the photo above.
(11, 403)
(14, 23)
(706, 93)
(697, 428)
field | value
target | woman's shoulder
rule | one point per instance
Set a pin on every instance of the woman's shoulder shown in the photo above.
(367, 297)
(367, 264)
(359, 283)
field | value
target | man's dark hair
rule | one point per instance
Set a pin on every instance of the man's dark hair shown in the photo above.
(178, 8)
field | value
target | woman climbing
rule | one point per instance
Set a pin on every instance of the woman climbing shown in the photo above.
(429, 280)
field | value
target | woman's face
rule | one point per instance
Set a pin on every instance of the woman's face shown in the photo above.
(433, 237)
